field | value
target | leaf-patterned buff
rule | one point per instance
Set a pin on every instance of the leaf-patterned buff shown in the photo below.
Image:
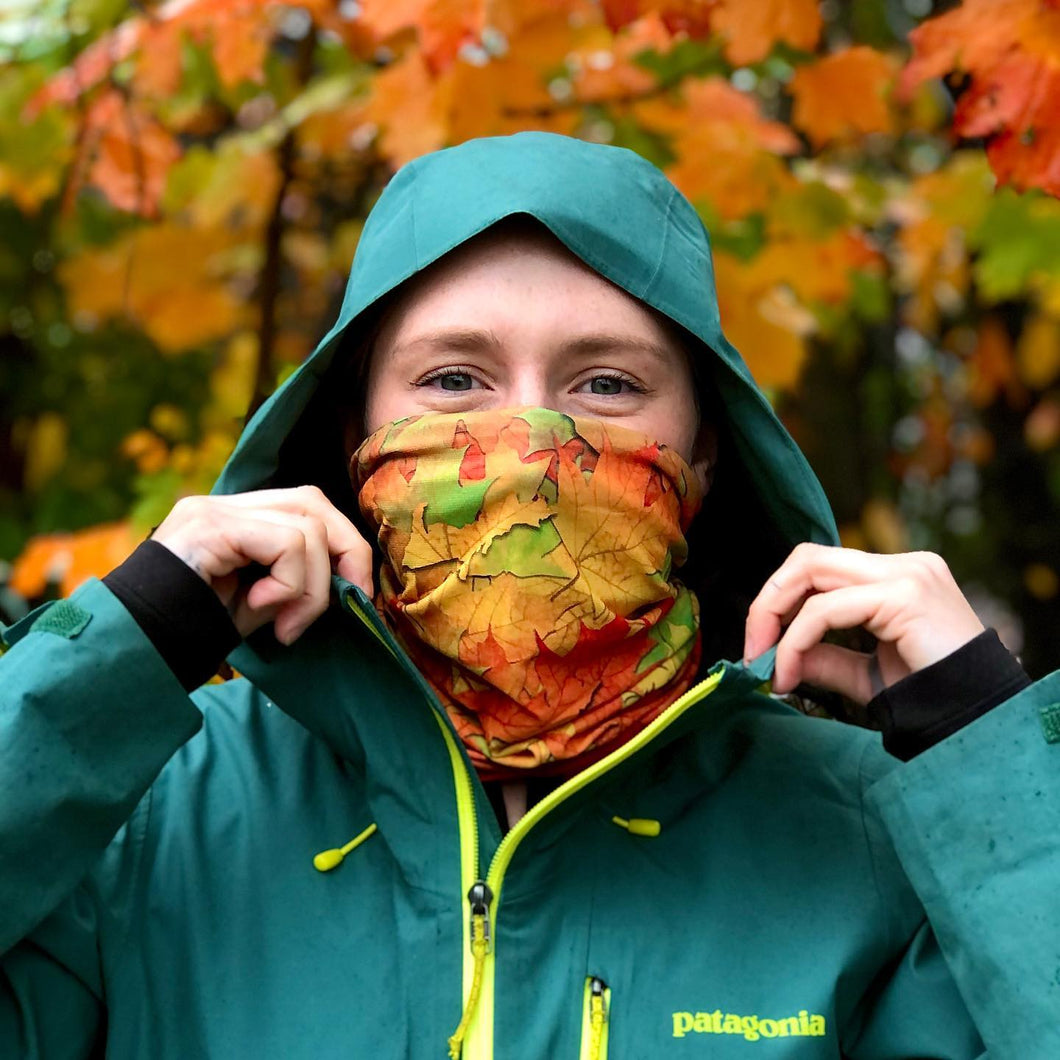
(528, 560)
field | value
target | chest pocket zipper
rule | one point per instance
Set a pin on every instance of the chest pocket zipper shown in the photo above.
(596, 1006)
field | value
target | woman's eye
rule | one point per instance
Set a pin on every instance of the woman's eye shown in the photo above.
(452, 381)
(608, 385)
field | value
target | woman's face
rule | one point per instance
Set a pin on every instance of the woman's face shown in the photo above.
(514, 319)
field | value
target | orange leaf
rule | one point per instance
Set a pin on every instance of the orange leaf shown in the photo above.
(158, 65)
(240, 41)
(168, 279)
(606, 67)
(843, 94)
(993, 364)
(410, 106)
(769, 330)
(971, 37)
(70, 559)
(817, 270)
(1015, 107)
(1009, 49)
(691, 17)
(443, 26)
(752, 27)
(726, 151)
(133, 153)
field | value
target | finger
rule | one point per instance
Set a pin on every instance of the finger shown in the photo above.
(808, 569)
(241, 540)
(837, 669)
(350, 553)
(846, 608)
(294, 614)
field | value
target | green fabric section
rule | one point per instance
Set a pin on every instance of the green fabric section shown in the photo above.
(974, 821)
(1050, 716)
(65, 619)
(79, 750)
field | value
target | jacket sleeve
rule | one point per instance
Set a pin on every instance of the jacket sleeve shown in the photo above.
(89, 714)
(915, 1010)
(51, 991)
(975, 823)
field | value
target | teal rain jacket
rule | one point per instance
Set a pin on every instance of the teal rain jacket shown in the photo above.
(739, 881)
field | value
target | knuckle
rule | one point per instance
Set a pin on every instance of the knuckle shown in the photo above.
(906, 590)
(295, 538)
(191, 507)
(935, 564)
(311, 494)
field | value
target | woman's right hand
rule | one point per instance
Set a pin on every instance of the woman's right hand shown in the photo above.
(298, 534)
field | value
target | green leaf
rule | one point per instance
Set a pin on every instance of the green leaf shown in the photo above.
(525, 552)
(697, 58)
(1017, 240)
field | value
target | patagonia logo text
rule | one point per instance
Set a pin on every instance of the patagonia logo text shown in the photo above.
(752, 1028)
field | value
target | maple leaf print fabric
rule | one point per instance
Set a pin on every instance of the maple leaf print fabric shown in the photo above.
(528, 573)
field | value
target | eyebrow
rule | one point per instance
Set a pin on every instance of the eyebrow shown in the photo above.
(473, 340)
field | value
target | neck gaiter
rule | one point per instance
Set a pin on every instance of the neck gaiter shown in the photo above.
(527, 571)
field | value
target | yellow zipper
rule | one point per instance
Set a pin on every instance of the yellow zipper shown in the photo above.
(473, 1037)
(596, 1008)
(478, 1040)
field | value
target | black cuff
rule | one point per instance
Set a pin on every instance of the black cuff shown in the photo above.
(931, 704)
(181, 615)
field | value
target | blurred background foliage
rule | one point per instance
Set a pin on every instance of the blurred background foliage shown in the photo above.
(182, 186)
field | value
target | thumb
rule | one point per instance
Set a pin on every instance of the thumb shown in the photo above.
(355, 565)
(837, 669)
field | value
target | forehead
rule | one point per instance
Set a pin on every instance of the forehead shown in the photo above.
(517, 276)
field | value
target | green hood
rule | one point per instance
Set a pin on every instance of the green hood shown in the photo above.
(624, 219)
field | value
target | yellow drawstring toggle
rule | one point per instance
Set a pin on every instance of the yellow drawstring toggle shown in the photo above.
(480, 946)
(639, 826)
(326, 860)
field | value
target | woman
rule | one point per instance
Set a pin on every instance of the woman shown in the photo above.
(453, 546)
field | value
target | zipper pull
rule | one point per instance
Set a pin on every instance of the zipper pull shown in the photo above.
(597, 1001)
(480, 896)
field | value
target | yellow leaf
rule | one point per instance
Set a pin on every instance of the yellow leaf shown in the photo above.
(774, 347)
(1038, 352)
(1041, 580)
(168, 279)
(147, 449)
(883, 527)
(993, 364)
(817, 270)
(232, 381)
(45, 449)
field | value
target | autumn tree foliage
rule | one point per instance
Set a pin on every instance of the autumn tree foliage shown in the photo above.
(182, 186)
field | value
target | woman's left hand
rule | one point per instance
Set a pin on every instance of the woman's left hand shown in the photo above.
(909, 602)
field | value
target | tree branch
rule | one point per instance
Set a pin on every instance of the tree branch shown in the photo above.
(269, 281)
